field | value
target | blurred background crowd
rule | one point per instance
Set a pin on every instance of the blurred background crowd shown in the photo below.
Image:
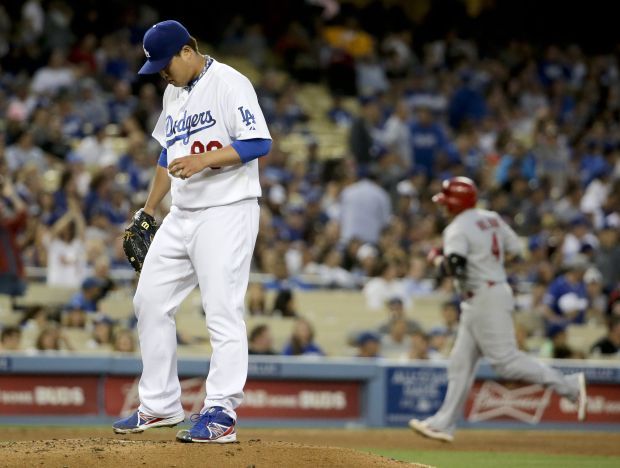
(368, 117)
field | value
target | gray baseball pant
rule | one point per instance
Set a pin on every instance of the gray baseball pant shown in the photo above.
(486, 329)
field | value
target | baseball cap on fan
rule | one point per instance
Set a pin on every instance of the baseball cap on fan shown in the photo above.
(161, 42)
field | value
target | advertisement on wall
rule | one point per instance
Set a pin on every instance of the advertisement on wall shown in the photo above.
(413, 392)
(265, 399)
(406, 392)
(505, 401)
(41, 395)
(419, 392)
(299, 399)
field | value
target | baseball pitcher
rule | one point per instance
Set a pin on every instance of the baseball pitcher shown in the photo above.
(211, 131)
(475, 245)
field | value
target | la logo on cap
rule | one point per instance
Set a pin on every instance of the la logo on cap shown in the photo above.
(161, 43)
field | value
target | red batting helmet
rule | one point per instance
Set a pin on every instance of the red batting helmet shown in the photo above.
(457, 194)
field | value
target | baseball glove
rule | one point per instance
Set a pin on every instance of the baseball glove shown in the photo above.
(138, 237)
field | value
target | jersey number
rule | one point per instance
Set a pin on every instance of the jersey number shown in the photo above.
(198, 147)
(495, 247)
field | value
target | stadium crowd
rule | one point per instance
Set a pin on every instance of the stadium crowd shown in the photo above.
(536, 126)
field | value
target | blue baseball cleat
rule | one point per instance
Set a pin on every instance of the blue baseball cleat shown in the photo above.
(213, 426)
(139, 422)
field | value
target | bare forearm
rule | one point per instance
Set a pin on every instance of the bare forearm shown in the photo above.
(226, 156)
(80, 224)
(186, 166)
(159, 189)
(62, 223)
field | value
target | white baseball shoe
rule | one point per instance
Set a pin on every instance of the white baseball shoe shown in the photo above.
(582, 398)
(424, 429)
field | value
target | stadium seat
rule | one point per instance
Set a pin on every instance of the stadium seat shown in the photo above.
(335, 315)
(78, 338)
(7, 316)
(582, 337)
(195, 350)
(118, 305)
(42, 294)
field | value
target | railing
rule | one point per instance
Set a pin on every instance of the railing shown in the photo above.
(125, 275)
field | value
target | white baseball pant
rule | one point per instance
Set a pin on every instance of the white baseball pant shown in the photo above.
(213, 248)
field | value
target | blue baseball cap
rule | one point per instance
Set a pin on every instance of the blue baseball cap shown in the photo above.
(92, 282)
(161, 42)
(365, 337)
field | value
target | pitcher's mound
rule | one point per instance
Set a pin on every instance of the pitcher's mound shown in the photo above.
(102, 453)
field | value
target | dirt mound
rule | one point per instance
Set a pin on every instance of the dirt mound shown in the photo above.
(102, 452)
(280, 448)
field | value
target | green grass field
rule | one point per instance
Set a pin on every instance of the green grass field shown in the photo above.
(442, 459)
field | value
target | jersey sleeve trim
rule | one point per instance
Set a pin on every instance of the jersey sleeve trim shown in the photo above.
(163, 158)
(252, 148)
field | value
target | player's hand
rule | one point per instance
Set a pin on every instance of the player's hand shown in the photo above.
(435, 256)
(187, 166)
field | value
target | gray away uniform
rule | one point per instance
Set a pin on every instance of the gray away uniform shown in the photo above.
(486, 327)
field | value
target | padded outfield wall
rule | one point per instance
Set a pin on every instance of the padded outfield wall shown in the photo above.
(284, 391)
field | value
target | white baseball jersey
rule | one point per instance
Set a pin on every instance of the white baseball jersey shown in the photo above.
(482, 237)
(220, 108)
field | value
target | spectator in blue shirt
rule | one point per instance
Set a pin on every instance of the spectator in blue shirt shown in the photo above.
(137, 165)
(338, 114)
(566, 299)
(592, 163)
(552, 68)
(86, 299)
(302, 340)
(122, 104)
(66, 190)
(467, 103)
(108, 199)
(427, 140)
(515, 161)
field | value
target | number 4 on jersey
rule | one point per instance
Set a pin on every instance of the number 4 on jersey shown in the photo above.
(495, 247)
